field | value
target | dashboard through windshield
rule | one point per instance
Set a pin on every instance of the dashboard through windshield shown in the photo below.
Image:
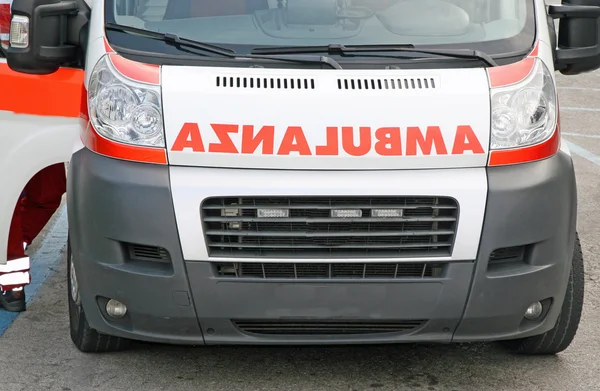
(496, 27)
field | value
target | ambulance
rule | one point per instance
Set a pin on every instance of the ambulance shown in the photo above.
(295, 172)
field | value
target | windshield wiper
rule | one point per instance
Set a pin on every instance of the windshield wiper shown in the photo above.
(178, 42)
(350, 49)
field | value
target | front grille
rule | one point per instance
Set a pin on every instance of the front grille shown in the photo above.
(423, 227)
(329, 270)
(323, 327)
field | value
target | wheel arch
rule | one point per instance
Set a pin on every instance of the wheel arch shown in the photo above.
(30, 145)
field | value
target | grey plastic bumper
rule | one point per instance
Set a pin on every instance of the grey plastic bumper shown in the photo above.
(112, 203)
(535, 205)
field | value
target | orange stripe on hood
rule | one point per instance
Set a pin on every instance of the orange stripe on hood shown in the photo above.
(57, 95)
(507, 75)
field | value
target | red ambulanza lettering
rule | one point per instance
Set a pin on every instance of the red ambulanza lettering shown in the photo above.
(343, 140)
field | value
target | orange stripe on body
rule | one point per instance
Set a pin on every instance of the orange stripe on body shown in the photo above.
(138, 71)
(107, 47)
(511, 74)
(527, 154)
(57, 95)
(145, 73)
(536, 50)
(83, 111)
(103, 146)
(507, 75)
(95, 142)
(133, 70)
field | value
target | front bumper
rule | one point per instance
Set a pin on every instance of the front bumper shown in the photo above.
(115, 206)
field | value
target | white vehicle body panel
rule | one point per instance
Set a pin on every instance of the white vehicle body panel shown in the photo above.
(29, 143)
(459, 98)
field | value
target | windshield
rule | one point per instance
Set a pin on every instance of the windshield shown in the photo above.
(495, 27)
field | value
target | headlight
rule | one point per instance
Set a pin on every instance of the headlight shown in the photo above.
(124, 110)
(526, 113)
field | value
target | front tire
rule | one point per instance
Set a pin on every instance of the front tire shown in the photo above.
(83, 336)
(560, 337)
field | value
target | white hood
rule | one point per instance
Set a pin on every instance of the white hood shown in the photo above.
(326, 119)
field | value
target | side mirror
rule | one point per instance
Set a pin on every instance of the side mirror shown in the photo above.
(46, 34)
(578, 36)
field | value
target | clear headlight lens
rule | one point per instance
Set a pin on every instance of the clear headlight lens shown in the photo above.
(524, 114)
(124, 110)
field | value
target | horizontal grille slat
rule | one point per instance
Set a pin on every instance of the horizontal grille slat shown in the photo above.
(330, 234)
(329, 270)
(300, 327)
(329, 220)
(275, 205)
(309, 246)
(318, 227)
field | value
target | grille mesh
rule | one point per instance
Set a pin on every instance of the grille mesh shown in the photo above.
(423, 227)
(329, 270)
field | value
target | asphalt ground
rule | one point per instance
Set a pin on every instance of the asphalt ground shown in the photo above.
(37, 354)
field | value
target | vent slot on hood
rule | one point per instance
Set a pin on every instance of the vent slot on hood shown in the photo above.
(278, 83)
(419, 83)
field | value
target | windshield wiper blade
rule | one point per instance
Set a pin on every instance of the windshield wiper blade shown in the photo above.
(171, 39)
(174, 40)
(350, 49)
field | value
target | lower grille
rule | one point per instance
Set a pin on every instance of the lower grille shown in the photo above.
(508, 254)
(318, 327)
(325, 227)
(138, 252)
(329, 270)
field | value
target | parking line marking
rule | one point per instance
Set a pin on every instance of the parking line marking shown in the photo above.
(579, 109)
(581, 135)
(584, 153)
(579, 88)
(43, 262)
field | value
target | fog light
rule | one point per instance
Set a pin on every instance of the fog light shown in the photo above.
(534, 311)
(116, 309)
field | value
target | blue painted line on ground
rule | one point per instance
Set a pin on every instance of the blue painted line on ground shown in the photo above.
(43, 263)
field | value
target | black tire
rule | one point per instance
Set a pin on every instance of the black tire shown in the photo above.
(83, 336)
(560, 337)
